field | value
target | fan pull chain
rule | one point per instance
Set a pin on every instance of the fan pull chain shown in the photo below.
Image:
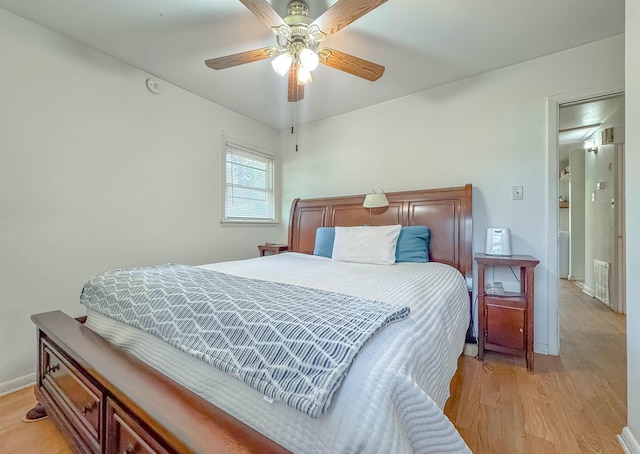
(294, 123)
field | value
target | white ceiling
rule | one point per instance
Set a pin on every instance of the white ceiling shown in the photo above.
(422, 44)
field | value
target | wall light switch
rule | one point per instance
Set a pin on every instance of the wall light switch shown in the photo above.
(517, 193)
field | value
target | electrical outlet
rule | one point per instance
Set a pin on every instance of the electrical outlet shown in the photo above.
(517, 193)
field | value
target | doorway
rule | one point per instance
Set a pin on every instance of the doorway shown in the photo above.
(553, 193)
(591, 196)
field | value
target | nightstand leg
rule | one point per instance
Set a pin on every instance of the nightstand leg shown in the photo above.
(481, 313)
(528, 274)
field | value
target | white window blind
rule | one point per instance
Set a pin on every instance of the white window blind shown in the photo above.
(249, 182)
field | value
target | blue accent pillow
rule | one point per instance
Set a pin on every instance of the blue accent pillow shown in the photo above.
(413, 244)
(324, 241)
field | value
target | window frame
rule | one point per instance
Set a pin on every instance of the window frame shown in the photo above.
(228, 145)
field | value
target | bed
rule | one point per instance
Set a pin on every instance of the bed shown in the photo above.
(113, 388)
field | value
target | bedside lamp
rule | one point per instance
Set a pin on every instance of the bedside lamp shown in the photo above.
(375, 200)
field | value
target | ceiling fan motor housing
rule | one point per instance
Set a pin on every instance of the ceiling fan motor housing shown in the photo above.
(298, 8)
(298, 37)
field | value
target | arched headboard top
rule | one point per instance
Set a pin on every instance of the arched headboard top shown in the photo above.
(446, 211)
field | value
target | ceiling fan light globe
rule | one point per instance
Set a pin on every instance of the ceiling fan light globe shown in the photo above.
(309, 59)
(282, 63)
(304, 75)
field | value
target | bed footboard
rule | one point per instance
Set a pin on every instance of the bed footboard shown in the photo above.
(106, 401)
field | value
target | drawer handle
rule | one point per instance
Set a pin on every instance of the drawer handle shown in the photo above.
(131, 449)
(521, 330)
(52, 369)
(89, 408)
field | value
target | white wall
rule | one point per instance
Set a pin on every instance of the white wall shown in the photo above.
(599, 215)
(98, 173)
(577, 222)
(489, 130)
(632, 91)
(563, 213)
(598, 225)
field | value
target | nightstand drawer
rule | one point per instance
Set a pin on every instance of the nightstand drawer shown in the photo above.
(77, 398)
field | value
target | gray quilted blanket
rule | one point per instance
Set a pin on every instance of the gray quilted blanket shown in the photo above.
(294, 344)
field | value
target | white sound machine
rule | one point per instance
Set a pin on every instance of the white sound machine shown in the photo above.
(498, 241)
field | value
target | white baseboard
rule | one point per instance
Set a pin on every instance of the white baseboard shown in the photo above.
(17, 384)
(543, 349)
(588, 291)
(628, 442)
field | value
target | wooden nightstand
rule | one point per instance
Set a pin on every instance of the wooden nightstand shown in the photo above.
(272, 248)
(505, 322)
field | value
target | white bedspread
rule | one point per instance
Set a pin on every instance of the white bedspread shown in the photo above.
(392, 398)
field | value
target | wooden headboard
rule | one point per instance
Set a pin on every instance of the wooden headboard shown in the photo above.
(447, 212)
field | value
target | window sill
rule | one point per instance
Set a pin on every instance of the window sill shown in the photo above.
(249, 223)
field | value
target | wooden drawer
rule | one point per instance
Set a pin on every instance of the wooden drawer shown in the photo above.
(126, 436)
(76, 397)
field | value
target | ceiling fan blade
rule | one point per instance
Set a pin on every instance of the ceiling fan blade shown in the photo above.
(265, 12)
(229, 61)
(343, 12)
(350, 64)
(296, 90)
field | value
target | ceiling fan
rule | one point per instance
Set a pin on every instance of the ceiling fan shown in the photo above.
(298, 40)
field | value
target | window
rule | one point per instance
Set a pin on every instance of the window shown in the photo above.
(249, 181)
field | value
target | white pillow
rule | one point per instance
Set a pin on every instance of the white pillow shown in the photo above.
(366, 244)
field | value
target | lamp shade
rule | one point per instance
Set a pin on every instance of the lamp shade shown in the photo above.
(304, 76)
(375, 200)
(282, 63)
(309, 59)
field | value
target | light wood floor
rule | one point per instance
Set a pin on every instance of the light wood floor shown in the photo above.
(575, 403)
(16, 436)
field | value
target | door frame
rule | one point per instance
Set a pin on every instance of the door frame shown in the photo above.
(552, 236)
(620, 246)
